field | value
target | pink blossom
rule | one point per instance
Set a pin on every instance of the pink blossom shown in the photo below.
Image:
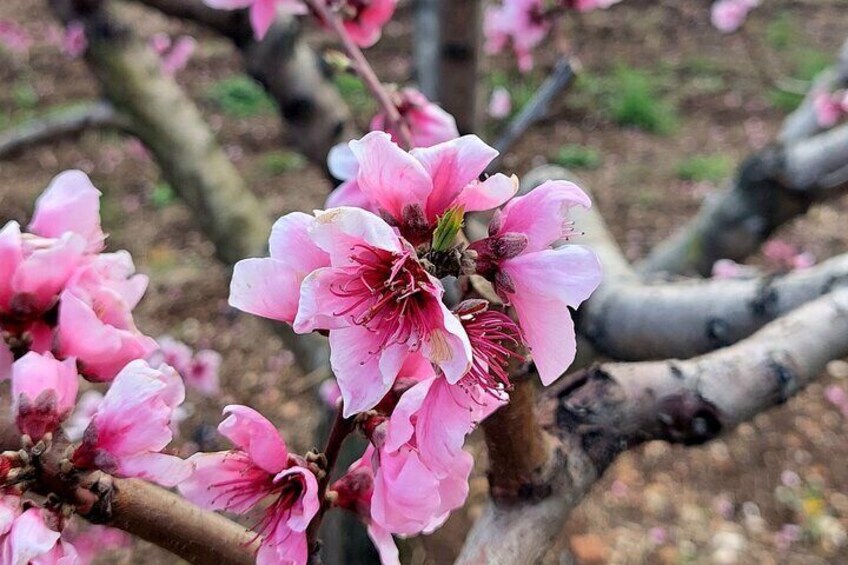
(730, 269)
(258, 468)
(364, 19)
(44, 392)
(33, 538)
(728, 15)
(95, 316)
(829, 108)
(330, 393)
(270, 287)
(174, 56)
(380, 305)
(14, 38)
(172, 352)
(354, 491)
(520, 22)
(786, 257)
(262, 12)
(203, 373)
(541, 282)
(132, 426)
(500, 104)
(92, 540)
(70, 203)
(428, 123)
(74, 41)
(414, 189)
(589, 5)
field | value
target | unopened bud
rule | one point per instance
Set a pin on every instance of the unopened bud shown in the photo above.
(447, 228)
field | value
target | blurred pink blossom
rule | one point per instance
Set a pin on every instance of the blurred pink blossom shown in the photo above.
(728, 15)
(500, 104)
(14, 37)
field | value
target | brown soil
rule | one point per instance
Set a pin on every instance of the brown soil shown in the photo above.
(712, 503)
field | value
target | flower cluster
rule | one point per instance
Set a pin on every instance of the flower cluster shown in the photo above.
(65, 311)
(362, 19)
(525, 23)
(416, 374)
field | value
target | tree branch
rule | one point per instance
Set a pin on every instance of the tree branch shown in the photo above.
(59, 124)
(771, 188)
(288, 69)
(597, 413)
(460, 26)
(141, 509)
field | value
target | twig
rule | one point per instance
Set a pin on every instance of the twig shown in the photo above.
(341, 429)
(60, 124)
(364, 70)
(560, 78)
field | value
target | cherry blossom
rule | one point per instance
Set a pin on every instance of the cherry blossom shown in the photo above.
(830, 107)
(32, 536)
(364, 19)
(415, 188)
(199, 370)
(132, 426)
(500, 104)
(540, 281)
(519, 22)
(174, 54)
(14, 38)
(44, 392)
(427, 122)
(259, 467)
(380, 305)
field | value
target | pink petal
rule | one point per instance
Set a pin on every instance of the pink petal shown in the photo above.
(546, 283)
(44, 273)
(165, 470)
(228, 4)
(284, 547)
(390, 176)
(541, 215)
(337, 230)
(30, 537)
(448, 346)
(349, 194)
(11, 255)
(358, 363)
(342, 162)
(307, 506)
(265, 287)
(34, 374)
(489, 194)
(253, 433)
(405, 496)
(451, 166)
(385, 544)
(366, 29)
(262, 15)
(320, 307)
(291, 244)
(210, 485)
(71, 203)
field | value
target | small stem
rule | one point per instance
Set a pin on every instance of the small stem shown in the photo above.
(342, 427)
(364, 70)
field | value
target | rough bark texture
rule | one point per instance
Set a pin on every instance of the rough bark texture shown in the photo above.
(460, 27)
(286, 66)
(597, 413)
(61, 124)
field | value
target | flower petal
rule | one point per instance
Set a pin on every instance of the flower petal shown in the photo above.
(253, 433)
(265, 287)
(70, 203)
(489, 194)
(355, 356)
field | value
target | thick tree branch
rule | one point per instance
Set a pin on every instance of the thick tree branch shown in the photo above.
(288, 69)
(597, 413)
(460, 29)
(60, 124)
(770, 188)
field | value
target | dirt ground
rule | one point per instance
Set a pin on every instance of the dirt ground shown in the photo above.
(725, 502)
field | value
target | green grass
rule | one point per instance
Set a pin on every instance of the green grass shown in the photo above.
(575, 156)
(354, 93)
(781, 32)
(700, 168)
(24, 95)
(162, 195)
(241, 97)
(634, 100)
(279, 162)
(784, 101)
